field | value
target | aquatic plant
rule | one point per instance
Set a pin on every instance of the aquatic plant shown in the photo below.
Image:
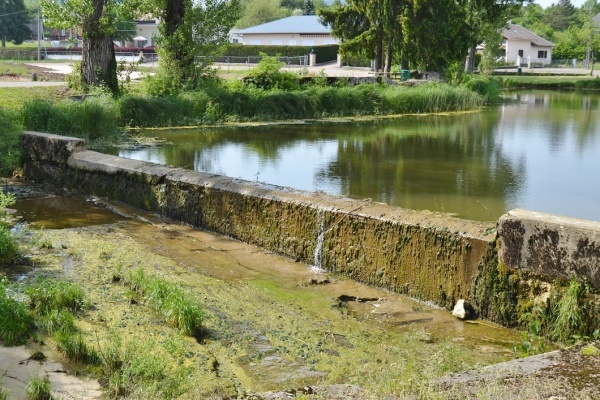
(39, 389)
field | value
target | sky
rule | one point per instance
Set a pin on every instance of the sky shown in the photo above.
(547, 3)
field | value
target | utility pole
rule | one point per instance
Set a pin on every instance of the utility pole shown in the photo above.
(39, 50)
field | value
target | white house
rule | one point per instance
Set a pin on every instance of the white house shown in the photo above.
(301, 30)
(145, 34)
(522, 46)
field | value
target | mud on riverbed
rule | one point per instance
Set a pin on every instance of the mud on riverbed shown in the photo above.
(272, 328)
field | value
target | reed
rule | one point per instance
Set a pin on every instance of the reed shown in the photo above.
(95, 119)
(39, 389)
(179, 309)
(48, 296)
(16, 323)
(10, 136)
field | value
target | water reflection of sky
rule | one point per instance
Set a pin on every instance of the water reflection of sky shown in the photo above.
(542, 153)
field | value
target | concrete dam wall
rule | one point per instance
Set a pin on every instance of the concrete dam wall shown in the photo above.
(429, 256)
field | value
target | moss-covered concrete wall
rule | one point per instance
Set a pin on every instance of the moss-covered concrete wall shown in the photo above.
(429, 256)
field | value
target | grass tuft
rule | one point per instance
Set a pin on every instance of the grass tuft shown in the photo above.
(51, 296)
(15, 321)
(39, 389)
(176, 307)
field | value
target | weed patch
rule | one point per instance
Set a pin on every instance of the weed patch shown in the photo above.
(16, 323)
(39, 389)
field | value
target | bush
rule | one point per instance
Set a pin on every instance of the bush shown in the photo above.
(588, 84)
(488, 88)
(268, 75)
(10, 137)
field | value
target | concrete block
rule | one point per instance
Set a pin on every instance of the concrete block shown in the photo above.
(550, 245)
(47, 147)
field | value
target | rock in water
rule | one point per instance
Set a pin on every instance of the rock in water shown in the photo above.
(463, 310)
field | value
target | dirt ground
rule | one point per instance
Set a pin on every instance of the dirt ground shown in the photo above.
(44, 74)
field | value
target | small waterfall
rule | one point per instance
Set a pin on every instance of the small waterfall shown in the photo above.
(318, 256)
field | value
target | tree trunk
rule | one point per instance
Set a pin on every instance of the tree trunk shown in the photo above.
(98, 65)
(179, 50)
(389, 55)
(592, 61)
(3, 40)
(470, 62)
(379, 54)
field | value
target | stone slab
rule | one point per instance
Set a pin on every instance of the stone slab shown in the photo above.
(51, 148)
(550, 245)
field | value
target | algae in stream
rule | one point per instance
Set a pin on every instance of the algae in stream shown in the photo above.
(264, 329)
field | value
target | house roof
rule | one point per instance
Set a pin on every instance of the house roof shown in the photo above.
(294, 24)
(517, 32)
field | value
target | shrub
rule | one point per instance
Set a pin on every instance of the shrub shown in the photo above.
(10, 136)
(268, 75)
(488, 88)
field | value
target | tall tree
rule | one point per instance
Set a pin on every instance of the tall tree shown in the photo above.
(256, 12)
(309, 7)
(14, 19)
(188, 30)
(561, 15)
(366, 27)
(98, 20)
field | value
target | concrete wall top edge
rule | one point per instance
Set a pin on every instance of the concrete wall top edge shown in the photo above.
(53, 136)
(571, 222)
(94, 161)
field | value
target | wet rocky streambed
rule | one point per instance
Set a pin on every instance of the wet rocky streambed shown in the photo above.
(272, 328)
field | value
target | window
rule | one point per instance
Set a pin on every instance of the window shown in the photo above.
(308, 43)
(542, 54)
(520, 53)
(291, 42)
(255, 41)
(276, 42)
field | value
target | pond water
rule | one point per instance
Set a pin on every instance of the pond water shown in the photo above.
(540, 153)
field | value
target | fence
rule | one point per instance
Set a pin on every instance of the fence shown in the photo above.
(287, 60)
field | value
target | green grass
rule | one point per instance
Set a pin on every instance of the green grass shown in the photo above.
(568, 312)
(10, 136)
(39, 389)
(49, 295)
(16, 324)
(14, 68)
(178, 309)
(544, 82)
(74, 346)
(94, 119)
(13, 98)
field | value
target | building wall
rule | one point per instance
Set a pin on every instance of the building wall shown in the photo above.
(513, 47)
(286, 39)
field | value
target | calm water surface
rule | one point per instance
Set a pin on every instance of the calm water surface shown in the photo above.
(541, 153)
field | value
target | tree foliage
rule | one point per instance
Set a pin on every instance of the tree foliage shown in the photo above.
(14, 18)
(99, 21)
(256, 12)
(428, 34)
(191, 34)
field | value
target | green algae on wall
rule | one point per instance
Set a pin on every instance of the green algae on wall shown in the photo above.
(425, 255)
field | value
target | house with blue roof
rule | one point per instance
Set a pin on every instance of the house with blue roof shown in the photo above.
(300, 30)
